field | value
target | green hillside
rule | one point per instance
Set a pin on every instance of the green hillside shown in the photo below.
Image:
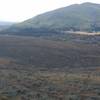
(84, 16)
(77, 17)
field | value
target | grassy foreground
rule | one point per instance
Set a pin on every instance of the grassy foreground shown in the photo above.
(50, 85)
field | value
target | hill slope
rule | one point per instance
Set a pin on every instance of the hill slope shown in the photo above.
(77, 17)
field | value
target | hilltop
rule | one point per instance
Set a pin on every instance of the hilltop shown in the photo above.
(76, 17)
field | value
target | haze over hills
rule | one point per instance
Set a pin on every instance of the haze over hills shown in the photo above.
(76, 17)
(4, 24)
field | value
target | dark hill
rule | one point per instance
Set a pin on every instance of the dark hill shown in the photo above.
(77, 17)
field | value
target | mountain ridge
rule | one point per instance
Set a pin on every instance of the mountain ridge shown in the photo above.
(76, 17)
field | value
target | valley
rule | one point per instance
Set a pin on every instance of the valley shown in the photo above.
(37, 68)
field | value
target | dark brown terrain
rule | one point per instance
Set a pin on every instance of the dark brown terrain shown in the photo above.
(49, 69)
(39, 52)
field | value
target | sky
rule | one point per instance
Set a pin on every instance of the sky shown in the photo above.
(20, 10)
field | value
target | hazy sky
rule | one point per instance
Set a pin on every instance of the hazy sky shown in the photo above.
(19, 10)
